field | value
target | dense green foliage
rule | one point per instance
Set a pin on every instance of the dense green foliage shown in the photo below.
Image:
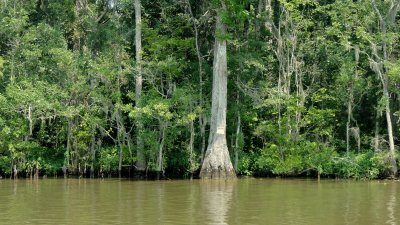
(309, 86)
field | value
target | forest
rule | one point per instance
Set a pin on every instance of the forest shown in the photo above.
(189, 88)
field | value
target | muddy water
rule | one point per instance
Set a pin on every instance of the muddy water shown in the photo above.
(244, 201)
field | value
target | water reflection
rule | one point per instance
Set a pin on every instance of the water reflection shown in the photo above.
(192, 200)
(391, 205)
(15, 187)
(217, 196)
(347, 208)
(250, 201)
(139, 202)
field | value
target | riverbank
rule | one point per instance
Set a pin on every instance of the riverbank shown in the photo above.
(323, 163)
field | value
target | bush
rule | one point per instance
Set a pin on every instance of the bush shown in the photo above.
(246, 164)
(108, 159)
(5, 165)
(297, 159)
(365, 165)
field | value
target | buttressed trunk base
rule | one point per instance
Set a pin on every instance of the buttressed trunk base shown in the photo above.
(217, 162)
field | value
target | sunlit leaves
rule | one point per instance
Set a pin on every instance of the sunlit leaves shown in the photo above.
(2, 61)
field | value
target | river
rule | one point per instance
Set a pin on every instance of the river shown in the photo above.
(242, 201)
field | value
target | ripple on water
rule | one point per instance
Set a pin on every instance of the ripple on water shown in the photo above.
(244, 201)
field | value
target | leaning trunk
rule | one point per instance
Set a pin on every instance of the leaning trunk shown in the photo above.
(392, 155)
(377, 64)
(217, 162)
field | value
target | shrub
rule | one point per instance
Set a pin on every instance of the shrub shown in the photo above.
(364, 165)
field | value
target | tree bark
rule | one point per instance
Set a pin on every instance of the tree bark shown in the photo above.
(93, 152)
(15, 171)
(376, 138)
(392, 150)
(238, 127)
(237, 147)
(202, 117)
(120, 123)
(377, 65)
(67, 153)
(30, 122)
(217, 162)
(140, 163)
(160, 166)
(191, 146)
(378, 68)
(349, 115)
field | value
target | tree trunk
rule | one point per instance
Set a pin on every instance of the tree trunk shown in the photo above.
(128, 144)
(237, 148)
(377, 63)
(30, 122)
(120, 122)
(15, 171)
(300, 100)
(160, 169)
(392, 156)
(36, 176)
(217, 162)
(376, 138)
(140, 163)
(349, 112)
(378, 68)
(202, 117)
(68, 148)
(119, 158)
(237, 136)
(93, 152)
(191, 146)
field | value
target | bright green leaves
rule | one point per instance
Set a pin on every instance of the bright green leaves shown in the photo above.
(365, 165)
(393, 71)
(44, 37)
(294, 66)
(14, 17)
(59, 14)
(235, 12)
(2, 61)
(174, 109)
(305, 158)
(41, 53)
(42, 95)
(108, 160)
(160, 109)
(321, 95)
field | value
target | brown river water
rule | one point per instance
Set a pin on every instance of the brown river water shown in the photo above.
(242, 201)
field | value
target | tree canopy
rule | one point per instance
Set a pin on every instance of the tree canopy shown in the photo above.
(312, 86)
